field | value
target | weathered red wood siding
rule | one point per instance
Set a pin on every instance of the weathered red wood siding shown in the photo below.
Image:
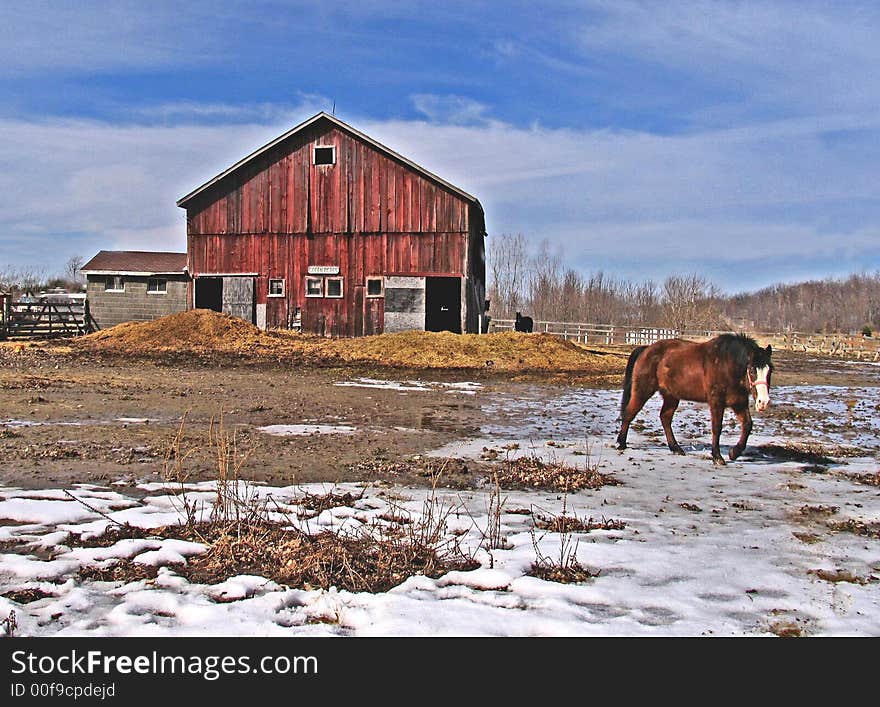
(368, 214)
(365, 191)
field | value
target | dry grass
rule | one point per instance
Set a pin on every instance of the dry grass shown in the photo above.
(872, 479)
(367, 560)
(27, 595)
(203, 333)
(836, 576)
(319, 502)
(568, 574)
(856, 527)
(531, 473)
(573, 524)
(124, 571)
(564, 567)
(808, 511)
(450, 471)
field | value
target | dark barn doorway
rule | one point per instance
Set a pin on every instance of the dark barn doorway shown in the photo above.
(443, 304)
(231, 295)
(209, 293)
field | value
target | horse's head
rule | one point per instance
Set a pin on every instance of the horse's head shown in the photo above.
(759, 371)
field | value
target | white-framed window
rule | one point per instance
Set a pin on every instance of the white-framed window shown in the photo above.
(375, 287)
(276, 287)
(333, 287)
(114, 283)
(314, 287)
(157, 286)
(324, 155)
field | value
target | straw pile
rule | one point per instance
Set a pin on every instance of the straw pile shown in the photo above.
(203, 333)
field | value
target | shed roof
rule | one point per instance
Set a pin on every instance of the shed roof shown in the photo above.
(344, 126)
(135, 262)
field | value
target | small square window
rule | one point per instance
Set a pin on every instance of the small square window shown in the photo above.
(276, 287)
(374, 287)
(157, 286)
(314, 287)
(334, 287)
(114, 283)
(324, 155)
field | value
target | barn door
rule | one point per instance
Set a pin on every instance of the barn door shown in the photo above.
(238, 297)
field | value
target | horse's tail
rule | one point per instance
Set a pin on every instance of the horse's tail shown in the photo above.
(627, 378)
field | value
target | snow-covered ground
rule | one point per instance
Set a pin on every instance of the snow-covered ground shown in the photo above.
(705, 550)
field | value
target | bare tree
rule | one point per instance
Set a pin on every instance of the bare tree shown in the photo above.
(544, 285)
(508, 267)
(72, 268)
(690, 302)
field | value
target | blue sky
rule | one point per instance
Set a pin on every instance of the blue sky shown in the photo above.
(735, 139)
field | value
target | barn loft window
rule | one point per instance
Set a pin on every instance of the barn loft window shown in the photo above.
(314, 287)
(114, 283)
(324, 154)
(374, 287)
(157, 286)
(334, 287)
(276, 287)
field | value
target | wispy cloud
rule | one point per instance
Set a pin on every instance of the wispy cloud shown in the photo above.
(789, 55)
(453, 110)
(41, 35)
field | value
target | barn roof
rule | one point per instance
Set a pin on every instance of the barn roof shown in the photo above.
(135, 262)
(344, 126)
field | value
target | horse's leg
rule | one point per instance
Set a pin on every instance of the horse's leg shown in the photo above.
(636, 403)
(716, 410)
(745, 421)
(670, 405)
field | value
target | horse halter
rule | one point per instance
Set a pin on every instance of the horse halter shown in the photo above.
(753, 385)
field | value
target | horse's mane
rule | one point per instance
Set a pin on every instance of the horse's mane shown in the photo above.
(740, 348)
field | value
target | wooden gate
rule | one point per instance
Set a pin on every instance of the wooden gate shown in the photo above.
(45, 319)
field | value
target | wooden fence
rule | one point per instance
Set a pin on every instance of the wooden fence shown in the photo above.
(844, 345)
(44, 318)
(605, 334)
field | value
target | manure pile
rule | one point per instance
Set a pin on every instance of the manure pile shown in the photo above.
(202, 333)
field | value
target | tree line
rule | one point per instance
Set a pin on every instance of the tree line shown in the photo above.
(23, 280)
(535, 281)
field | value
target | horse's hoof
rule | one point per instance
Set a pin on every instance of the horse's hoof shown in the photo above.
(734, 454)
(620, 447)
(719, 461)
(678, 450)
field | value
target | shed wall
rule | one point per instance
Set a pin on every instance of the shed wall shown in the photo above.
(135, 304)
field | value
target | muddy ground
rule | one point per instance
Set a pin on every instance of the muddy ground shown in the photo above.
(66, 420)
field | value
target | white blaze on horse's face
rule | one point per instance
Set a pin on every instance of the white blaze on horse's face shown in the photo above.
(762, 388)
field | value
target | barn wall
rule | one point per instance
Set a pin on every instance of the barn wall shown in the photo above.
(358, 256)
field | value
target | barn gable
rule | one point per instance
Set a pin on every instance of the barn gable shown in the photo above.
(369, 189)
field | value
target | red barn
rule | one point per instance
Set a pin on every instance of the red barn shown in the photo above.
(327, 229)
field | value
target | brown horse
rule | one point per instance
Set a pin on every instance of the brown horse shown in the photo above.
(721, 372)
